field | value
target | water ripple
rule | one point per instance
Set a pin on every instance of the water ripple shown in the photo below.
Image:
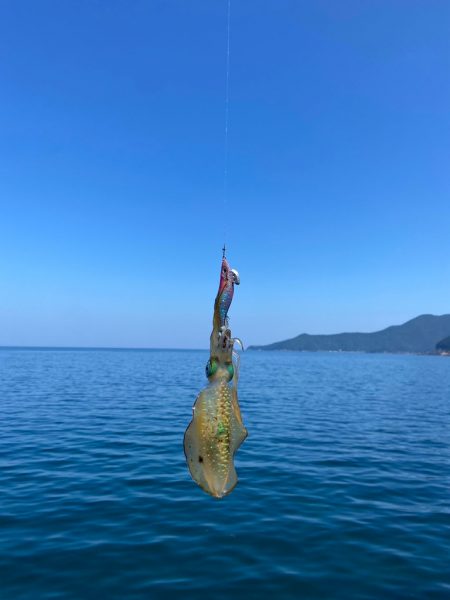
(343, 491)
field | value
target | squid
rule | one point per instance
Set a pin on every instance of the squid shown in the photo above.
(216, 430)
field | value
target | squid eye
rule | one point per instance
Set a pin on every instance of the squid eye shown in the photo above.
(211, 367)
(230, 370)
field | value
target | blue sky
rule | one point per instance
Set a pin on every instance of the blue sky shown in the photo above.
(112, 212)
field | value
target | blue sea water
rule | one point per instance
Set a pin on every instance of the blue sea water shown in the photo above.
(344, 480)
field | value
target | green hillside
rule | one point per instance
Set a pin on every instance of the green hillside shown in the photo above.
(443, 345)
(417, 335)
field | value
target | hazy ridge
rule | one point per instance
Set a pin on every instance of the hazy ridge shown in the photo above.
(419, 335)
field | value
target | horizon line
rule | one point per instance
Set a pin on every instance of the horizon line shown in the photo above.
(150, 349)
(113, 348)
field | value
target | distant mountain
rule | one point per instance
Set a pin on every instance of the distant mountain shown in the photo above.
(418, 335)
(443, 345)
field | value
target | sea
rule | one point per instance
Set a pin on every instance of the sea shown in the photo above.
(344, 480)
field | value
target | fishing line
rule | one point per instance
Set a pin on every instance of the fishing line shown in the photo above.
(227, 110)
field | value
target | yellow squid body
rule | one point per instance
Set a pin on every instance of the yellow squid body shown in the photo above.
(216, 430)
(212, 438)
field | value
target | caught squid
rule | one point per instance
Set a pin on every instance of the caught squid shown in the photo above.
(216, 430)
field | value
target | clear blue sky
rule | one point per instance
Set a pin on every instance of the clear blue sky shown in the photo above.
(112, 213)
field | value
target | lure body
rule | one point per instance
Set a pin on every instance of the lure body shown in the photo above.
(216, 430)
